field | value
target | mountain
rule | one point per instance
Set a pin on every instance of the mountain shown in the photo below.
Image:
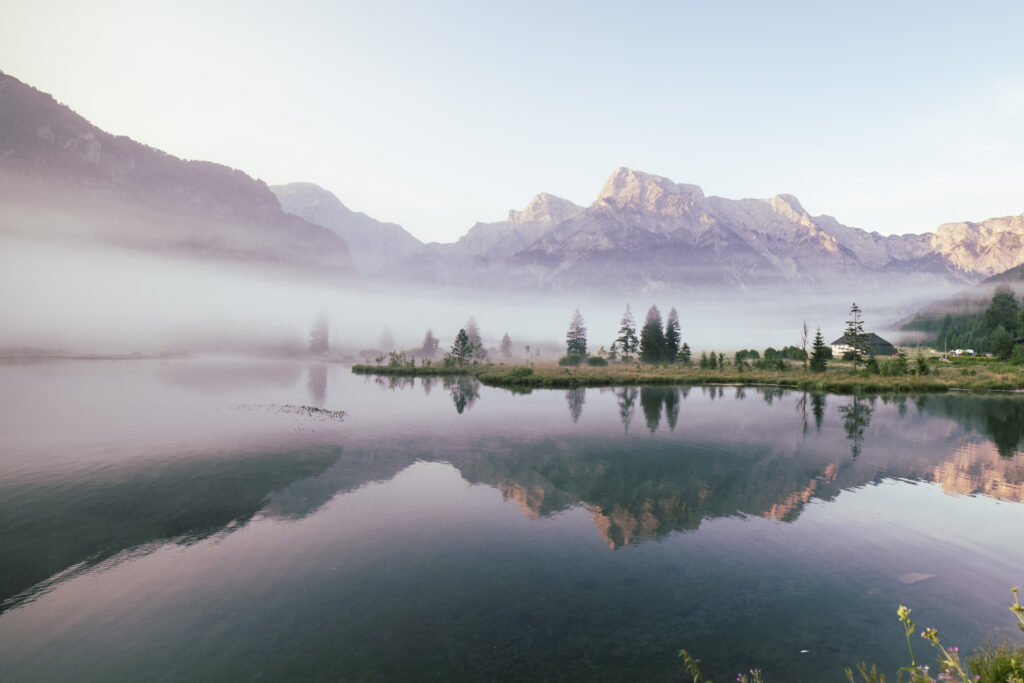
(373, 244)
(62, 176)
(647, 233)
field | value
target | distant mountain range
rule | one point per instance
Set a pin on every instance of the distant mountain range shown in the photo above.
(643, 233)
(647, 233)
(62, 176)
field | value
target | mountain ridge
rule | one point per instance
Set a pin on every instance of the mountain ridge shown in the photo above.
(60, 170)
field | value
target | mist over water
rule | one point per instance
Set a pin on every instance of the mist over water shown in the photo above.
(89, 298)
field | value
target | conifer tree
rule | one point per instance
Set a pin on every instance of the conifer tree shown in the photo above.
(652, 339)
(671, 349)
(430, 344)
(819, 359)
(473, 333)
(506, 346)
(685, 355)
(854, 335)
(576, 336)
(319, 335)
(626, 341)
(462, 349)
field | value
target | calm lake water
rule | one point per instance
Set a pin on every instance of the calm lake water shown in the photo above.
(186, 520)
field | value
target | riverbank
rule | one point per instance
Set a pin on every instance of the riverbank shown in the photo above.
(958, 375)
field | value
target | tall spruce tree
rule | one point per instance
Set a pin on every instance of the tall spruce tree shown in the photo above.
(819, 359)
(576, 336)
(652, 339)
(430, 343)
(672, 339)
(506, 345)
(319, 335)
(854, 336)
(627, 341)
(473, 333)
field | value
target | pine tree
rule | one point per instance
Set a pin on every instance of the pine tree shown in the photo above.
(576, 336)
(819, 360)
(627, 341)
(671, 349)
(430, 343)
(854, 336)
(652, 339)
(473, 333)
(462, 349)
(506, 346)
(319, 335)
(685, 355)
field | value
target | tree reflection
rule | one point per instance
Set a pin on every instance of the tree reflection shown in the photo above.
(576, 398)
(1004, 421)
(428, 384)
(627, 400)
(655, 400)
(317, 384)
(856, 416)
(464, 391)
(818, 408)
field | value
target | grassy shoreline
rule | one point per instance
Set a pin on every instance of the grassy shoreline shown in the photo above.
(974, 376)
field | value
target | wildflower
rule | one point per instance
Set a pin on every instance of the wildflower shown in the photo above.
(903, 612)
(931, 635)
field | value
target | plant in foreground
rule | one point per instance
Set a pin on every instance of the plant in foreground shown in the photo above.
(987, 665)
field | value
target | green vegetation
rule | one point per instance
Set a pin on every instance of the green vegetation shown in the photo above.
(1002, 664)
(989, 331)
(895, 374)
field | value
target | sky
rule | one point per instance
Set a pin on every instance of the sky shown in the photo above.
(893, 117)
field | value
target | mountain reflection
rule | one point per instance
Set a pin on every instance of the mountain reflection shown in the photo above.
(59, 522)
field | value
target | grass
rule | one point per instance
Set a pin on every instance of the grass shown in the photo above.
(961, 374)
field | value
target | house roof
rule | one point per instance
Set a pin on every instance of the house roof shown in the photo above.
(876, 343)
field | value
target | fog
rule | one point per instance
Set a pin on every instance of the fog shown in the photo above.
(86, 298)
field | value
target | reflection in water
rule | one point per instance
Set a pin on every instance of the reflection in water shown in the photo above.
(217, 378)
(428, 384)
(392, 382)
(464, 390)
(400, 556)
(81, 519)
(626, 398)
(317, 384)
(654, 399)
(576, 398)
(651, 400)
(818, 408)
(856, 416)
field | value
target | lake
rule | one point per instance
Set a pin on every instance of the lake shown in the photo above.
(222, 520)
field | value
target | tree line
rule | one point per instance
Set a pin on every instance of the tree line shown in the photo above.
(989, 331)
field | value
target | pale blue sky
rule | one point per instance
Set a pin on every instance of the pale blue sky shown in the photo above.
(891, 116)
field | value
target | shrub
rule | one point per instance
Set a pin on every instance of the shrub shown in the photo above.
(570, 359)
(597, 361)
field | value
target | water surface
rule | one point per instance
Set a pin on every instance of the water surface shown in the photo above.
(187, 520)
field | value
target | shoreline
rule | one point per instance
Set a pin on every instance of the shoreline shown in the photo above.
(960, 377)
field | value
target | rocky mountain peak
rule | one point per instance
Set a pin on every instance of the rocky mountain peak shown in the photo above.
(546, 208)
(309, 195)
(629, 189)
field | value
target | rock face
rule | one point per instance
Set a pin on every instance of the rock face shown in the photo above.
(374, 245)
(988, 247)
(645, 233)
(61, 175)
